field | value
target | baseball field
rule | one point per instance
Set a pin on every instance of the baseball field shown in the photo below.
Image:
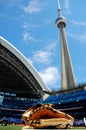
(19, 127)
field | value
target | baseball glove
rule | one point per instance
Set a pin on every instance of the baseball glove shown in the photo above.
(45, 116)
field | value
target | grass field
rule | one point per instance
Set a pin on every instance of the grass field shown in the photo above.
(11, 127)
(15, 127)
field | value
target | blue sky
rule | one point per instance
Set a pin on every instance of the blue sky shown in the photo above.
(30, 26)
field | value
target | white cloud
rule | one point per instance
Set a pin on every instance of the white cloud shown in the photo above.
(80, 37)
(67, 4)
(52, 46)
(78, 23)
(67, 7)
(27, 37)
(33, 7)
(50, 75)
(47, 21)
(41, 57)
(44, 56)
(27, 25)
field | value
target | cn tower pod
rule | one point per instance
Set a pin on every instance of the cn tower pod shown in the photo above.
(61, 21)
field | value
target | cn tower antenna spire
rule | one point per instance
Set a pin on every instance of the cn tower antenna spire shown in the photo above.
(59, 9)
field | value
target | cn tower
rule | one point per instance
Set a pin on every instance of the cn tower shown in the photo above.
(67, 73)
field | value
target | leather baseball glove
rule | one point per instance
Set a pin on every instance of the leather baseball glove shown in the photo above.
(45, 116)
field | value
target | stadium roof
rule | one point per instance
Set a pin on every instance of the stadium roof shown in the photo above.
(17, 75)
